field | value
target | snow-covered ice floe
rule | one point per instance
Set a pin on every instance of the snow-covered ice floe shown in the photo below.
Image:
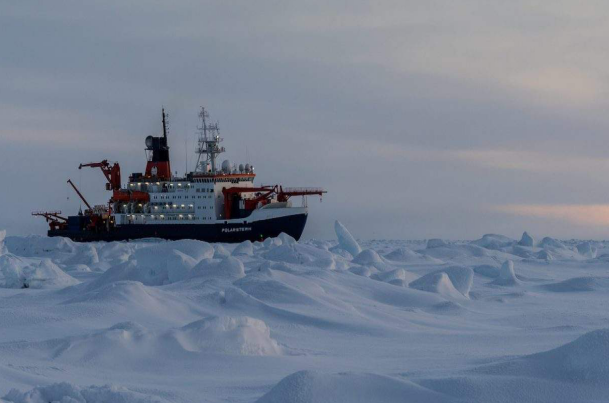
(494, 319)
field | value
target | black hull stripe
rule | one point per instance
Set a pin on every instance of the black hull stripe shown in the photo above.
(256, 231)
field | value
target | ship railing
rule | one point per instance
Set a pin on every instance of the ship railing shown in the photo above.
(302, 189)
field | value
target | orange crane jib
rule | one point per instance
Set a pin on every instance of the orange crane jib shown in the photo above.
(79, 194)
(55, 220)
(263, 196)
(112, 173)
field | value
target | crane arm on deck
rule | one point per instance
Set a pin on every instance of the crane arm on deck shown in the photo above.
(79, 194)
(111, 172)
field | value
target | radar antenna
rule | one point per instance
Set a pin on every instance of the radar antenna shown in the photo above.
(209, 144)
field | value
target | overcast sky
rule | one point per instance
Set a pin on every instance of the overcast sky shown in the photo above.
(422, 119)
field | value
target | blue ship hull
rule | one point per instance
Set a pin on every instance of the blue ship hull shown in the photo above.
(233, 232)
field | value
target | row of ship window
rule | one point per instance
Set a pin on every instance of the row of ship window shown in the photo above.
(249, 179)
(164, 206)
(179, 197)
(167, 218)
(188, 185)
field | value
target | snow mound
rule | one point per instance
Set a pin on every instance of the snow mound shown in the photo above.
(130, 342)
(524, 252)
(313, 387)
(402, 255)
(220, 252)
(130, 293)
(463, 253)
(271, 242)
(124, 340)
(436, 243)
(286, 239)
(87, 254)
(77, 268)
(367, 257)
(113, 253)
(245, 248)
(69, 393)
(39, 246)
(551, 243)
(493, 241)
(195, 249)
(266, 286)
(364, 271)
(583, 360)
(461, 278)
(445, 308)
(526, 240)
(544, 255)
(228, 268)
(17, 273)
(586, 249)
(438, 283)
(396, 277)
(507, 277)
(487, 271)
(327, 263)
(228, 335)
(579, 284)
(3, 249)
(289, 254)
(346, 240)
(151, 266)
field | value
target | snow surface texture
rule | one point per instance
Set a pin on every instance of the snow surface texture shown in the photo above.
(490, 320)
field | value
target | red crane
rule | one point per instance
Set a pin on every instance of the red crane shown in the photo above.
(79, 194)
(263, 196)
(112, 173)
(55, 220)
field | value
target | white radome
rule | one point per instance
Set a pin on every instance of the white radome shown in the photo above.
(226, 166)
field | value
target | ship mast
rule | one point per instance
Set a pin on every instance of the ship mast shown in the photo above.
(209, 144)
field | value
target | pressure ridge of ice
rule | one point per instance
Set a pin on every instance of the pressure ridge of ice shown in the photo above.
(316, 320)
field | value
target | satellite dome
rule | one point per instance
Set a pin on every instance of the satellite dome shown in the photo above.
(247, 167)
(226, 166)
(241, 167)
(149, 142)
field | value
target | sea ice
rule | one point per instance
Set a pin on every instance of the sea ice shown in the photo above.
(526, 240)
(313, 387)
(507, 277)
(16, 272)
(436, 243)
(586, 249)
(187, 321)
(245, 248)
(3, 249)
(69, 393)
(346, 240)
(438, 283)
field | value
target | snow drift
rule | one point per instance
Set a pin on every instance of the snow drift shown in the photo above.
(313, 387)
(507, 277)
(579, 284)
(582, 360)
(154, 315)
(438, 283)
(3, 249)
(69, 393)
(16, 272)
(227, 335)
